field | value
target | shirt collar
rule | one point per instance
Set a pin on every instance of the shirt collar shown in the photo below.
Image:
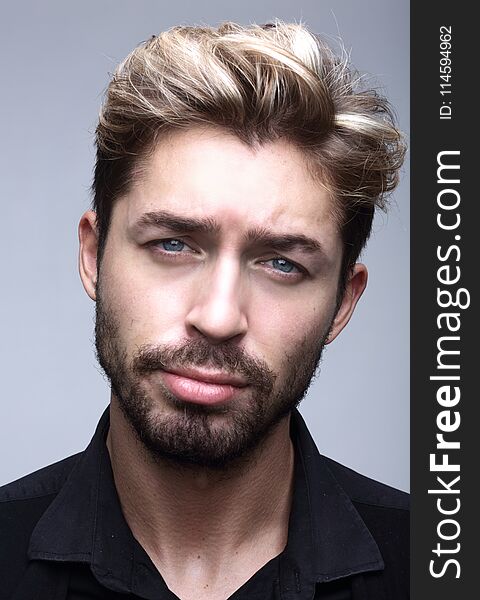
(327, 538)
(85, 522)
(341, 543)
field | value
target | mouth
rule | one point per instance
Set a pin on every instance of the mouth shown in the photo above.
(203, 386)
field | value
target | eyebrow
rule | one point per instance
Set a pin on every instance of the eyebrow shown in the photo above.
(285, 242)
(177, 223)
(259, 235)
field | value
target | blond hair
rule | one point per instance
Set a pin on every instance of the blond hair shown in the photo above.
(260, 83)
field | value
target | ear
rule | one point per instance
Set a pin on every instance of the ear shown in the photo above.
(87, 259)
(356, 284)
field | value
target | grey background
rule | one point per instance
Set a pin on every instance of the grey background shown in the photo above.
(55, 58)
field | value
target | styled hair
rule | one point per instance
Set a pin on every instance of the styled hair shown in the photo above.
(260, 83)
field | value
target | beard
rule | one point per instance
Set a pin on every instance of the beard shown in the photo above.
(190, 434)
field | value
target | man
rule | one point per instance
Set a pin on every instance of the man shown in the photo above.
(237, 174)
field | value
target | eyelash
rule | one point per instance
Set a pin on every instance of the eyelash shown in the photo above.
(299, 272)
(172, 254)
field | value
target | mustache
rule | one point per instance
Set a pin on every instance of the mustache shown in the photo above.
(226, 357)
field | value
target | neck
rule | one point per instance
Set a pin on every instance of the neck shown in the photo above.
(178, 514)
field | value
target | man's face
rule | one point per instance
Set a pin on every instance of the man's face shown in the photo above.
(216, 293)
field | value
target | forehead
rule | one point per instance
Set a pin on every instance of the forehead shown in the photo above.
(206, 172)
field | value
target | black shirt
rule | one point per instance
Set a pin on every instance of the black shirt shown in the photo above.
(63, 535)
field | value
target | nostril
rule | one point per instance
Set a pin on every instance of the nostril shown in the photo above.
(217, 323)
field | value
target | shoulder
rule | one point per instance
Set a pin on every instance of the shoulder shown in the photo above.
(363, 490)
(41, 483)
(384, 509)
(22, 503)
(385, 512)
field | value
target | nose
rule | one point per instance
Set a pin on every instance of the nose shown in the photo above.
(217, 311)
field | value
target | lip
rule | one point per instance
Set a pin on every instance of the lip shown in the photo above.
(205, 376)
(202, 386)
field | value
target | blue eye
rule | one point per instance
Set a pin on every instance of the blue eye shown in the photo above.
(285, 266)
(173, 245)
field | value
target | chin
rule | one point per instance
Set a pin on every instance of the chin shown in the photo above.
(191, 434)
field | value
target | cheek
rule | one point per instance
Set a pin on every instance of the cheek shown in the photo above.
(148, 311)
(279, 328)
